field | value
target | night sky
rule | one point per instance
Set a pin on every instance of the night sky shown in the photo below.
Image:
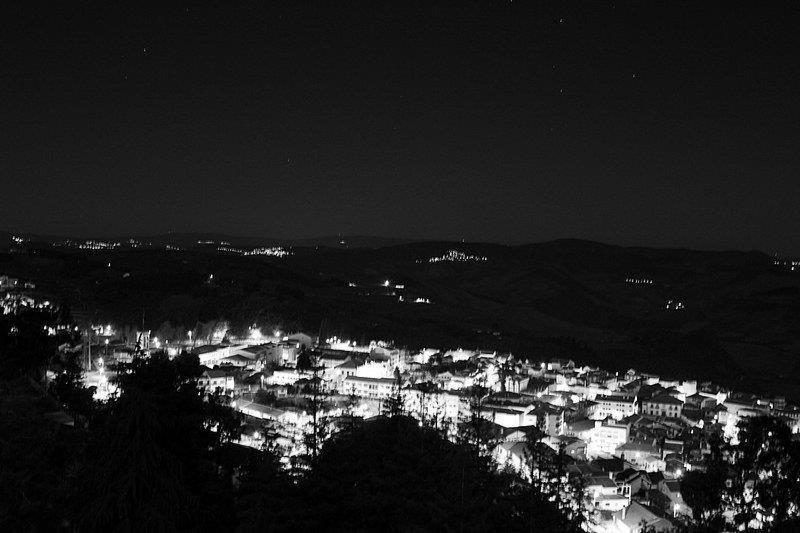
(659, 124)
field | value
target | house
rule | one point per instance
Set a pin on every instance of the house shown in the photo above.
(637, 480)
(344, 370)
(237, 360)
(604, 439)
(700, 401)
(375, 388)
(523, 434)
(517, 383)
(604, 494)
(692, 417)
(549, 419)
(560, 364)
(285, 376)
(305, 341)
(436, 406)
(537, 385)
(638, 518)
(662, 405)
(672, 499)
(214, 379)
(672, 446)
(460, 355)
(579, 428)
(212, 354)
(644, 455)
(255, 352)
(332, 358)
(572, 446)
(510, 416)
(513, 455)
(616, 407)
(262, 412)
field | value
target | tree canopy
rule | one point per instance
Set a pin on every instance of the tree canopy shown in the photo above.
(390, 474)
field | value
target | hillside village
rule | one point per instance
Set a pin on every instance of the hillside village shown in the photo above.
(629, 437)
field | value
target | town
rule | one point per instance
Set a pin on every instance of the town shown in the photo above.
(628, 438)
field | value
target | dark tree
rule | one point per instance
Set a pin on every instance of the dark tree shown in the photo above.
(24, 348)
(264, 397)
(768, 459)
(152, 461)
(476, 432)
(393, 475)
(68, 388)
(305, 361)
(702, 491)
(394, 405)
(38, 458)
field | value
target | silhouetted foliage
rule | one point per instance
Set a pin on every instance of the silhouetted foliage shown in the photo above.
(767, 461)
(152, 460)
(68, 388)
(394, 405)
(38, 460)
(264, 397)
(24, 348)
(393, 475)
(702, 491)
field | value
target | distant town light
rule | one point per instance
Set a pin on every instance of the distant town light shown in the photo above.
(456, 256)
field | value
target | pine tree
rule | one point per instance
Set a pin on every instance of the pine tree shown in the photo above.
(549, 477)
(318, 432)
(395, 404)
(477, 432)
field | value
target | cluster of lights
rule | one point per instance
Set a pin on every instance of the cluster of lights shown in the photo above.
(12, 303)
(675, 305)
(16, 239)
(52, 331)
(104, 330)
(229, 249)
(98, 245)
(88, 244)
(639, 281)
(7, 282)
(791, 264)
(254, 334)
(335, 343)
(273, 251)
(456, 256)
